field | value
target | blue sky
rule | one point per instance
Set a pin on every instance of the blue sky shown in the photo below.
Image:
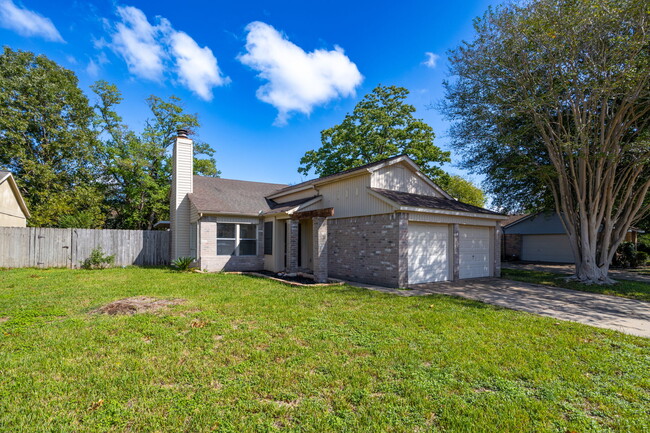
(264, 77)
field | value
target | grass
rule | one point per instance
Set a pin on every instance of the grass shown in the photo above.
(245, 354)
(625, 288)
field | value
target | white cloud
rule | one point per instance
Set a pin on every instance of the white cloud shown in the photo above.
(26, 22)
(196, 67)
(153, 51)
(431, 61)
(95, 64)
(93, 68)
(135, 39)
(297, 81)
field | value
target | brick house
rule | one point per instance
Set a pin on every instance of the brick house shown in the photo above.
(384, 223)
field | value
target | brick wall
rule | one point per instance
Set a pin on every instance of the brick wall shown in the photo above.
(511, 247)
(211, 262)
(367, 249)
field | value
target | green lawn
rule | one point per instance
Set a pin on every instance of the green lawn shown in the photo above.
(624, 288)
(270, 357)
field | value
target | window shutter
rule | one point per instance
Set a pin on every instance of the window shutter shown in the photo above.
(268, 237)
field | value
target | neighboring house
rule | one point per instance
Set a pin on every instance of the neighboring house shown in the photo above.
(13, 210)
(384, 223)
(540, 238)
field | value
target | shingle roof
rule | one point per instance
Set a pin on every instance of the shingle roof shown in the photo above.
(283, 207)
(231, 196)
(513, 219)
(4, 174)
(426, 201)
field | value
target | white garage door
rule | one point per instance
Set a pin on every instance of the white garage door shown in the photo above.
(546, 248)
(427, 259)
(474, 249)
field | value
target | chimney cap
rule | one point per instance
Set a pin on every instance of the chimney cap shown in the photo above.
(182, 133)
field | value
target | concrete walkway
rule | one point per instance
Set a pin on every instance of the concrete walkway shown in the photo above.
(621, 314)
(621, 274)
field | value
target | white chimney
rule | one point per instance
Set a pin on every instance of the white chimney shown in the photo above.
(182, 184)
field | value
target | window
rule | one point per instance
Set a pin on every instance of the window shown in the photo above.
(236, 239)
(247, 239)
(268, 237)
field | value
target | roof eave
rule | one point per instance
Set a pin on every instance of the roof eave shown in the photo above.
(452, 212)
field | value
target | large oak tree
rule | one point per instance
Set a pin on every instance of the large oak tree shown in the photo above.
(552, 102)
(47, 140)
(383, 125)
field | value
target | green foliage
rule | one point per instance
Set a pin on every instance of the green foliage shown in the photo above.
(138, 166)
(644, 242)
(527, 98)
(47, 140)
(627, 256)
(98, 260)
(382, 125)
(183, 264)
(463, 190)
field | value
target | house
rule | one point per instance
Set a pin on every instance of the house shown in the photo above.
(13, 210)
(384, 223)
(541, 238)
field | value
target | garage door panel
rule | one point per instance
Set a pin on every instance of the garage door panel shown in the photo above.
(427, 253)
(546, 248)
(474, 252)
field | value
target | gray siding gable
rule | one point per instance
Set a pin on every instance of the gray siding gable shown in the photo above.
(538, 224)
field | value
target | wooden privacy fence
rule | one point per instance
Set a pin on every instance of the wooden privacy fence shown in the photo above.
(45, 247)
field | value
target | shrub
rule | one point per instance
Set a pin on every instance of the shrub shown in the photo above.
(97, 260)
(627, 256)
(644, 242)
(183, 264)
(641, 258)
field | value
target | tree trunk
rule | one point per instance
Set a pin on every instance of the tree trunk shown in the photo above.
(588, 272)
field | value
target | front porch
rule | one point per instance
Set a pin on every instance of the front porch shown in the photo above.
(307, 253)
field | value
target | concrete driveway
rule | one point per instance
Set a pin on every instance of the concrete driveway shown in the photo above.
(621, 274)
(603, 311)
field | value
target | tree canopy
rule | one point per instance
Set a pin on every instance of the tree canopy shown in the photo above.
(79, 165)
(381, 126)
(551, 102)
(47, 139)
(138, 167)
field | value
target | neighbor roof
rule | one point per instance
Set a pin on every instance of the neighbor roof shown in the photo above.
(513, 219)
(216, 195)
(426, 201)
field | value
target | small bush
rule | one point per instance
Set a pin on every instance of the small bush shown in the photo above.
(644, 242)
(97, 260)
(641, 258)
(627, 256)
(183, 264)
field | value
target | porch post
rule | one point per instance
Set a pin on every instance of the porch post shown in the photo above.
(292, 247)
(319, 256)
(456, 250)
(498, 233)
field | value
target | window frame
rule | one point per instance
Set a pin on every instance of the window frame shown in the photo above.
(237, 239)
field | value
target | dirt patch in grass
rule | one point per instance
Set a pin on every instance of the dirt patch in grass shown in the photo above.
(4, 319)
(137, 304)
